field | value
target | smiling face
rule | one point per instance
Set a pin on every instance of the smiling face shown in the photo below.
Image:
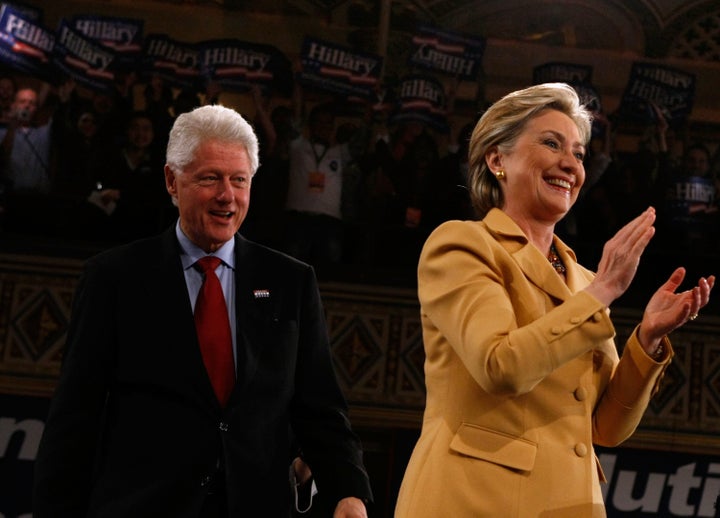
(543, 169)
(212, 193)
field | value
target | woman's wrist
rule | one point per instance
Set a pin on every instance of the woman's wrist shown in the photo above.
(653, 347)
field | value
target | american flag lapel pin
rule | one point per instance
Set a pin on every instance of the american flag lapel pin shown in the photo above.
(261, 294)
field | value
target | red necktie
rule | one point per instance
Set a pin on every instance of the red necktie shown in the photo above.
(213, 330)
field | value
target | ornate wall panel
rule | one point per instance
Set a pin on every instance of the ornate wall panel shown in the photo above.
(376, 342)
(35, 297)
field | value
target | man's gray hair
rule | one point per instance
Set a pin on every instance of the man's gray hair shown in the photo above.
(209, 123)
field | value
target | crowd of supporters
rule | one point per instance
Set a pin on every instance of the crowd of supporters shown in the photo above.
(337, 186)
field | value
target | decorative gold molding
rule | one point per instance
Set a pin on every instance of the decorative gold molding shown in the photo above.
(376, 341)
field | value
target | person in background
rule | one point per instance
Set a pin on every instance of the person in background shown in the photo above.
(28, 163)
(521, 371)
(314, 231)
(690, 196)
(314, 219)
(148, 421)
(266, 218)
(131, 188)
(26, 145)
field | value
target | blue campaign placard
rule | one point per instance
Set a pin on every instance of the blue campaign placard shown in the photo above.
(337, 69)
(174, 61)
(84, 60)
(448, 52)
(25, 44)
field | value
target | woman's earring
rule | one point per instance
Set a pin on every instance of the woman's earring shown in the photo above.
(500, 174)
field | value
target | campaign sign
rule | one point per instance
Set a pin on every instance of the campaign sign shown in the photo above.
(123, 35)
(447, 52)
(558, 72)
(22, 420)
(671, 90)
(421, 98)
(657, 483)
(339, 70)
(688, 197)
(577, 76)
(24, 44)
(87, 62)
(237, 65)
(175, 62)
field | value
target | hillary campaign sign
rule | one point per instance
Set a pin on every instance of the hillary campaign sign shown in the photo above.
(176, 62)
(82, 59)
(339, 70)
(576, 75)
(670, 89)
(122, 35)
(237, 65)
(558, 72)
(448, 52)
(421, 98)
(25, 44)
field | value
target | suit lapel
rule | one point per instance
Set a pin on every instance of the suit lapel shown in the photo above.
(249, 299)
(531, 261)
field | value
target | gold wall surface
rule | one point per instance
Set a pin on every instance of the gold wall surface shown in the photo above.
(376, 341)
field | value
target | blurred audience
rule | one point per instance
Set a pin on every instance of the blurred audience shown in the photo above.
(325, 192)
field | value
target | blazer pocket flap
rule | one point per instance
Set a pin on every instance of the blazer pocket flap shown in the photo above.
(493, 446)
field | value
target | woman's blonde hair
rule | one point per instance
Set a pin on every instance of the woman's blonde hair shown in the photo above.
(502, 124)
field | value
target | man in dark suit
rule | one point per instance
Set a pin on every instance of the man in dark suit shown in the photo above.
(135, 428)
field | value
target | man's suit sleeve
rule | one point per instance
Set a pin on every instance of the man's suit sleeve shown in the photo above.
(320, 418)
(66, 455)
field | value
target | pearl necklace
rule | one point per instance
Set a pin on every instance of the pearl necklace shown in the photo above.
(555, 260)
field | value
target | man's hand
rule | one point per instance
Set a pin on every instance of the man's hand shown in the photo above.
(350, 507)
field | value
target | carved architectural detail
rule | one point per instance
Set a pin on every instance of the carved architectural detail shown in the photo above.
(700, 40)
(376, 341)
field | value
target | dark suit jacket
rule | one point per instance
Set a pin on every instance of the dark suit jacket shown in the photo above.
(134, 429)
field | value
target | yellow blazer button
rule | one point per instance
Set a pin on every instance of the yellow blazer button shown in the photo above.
(575, 320)
(556, 330)
(580, 449)
(581, 393)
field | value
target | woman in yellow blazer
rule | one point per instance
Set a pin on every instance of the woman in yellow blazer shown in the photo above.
(522, 372)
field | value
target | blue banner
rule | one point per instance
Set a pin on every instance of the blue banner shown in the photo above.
(339, 70)
(670, 89)
(84, 60)
(24, 44)
(577, 76)
(22, 420)
(656, 483)
(689, 198)
(123, 35)
(176, 62)
(558, 72)
(236, 65)
(421, 98)
(451, 53)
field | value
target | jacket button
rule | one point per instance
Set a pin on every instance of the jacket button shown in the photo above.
(580, 450)
(556, 330)
(223, 426)
(581, 393)
(575, 320)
